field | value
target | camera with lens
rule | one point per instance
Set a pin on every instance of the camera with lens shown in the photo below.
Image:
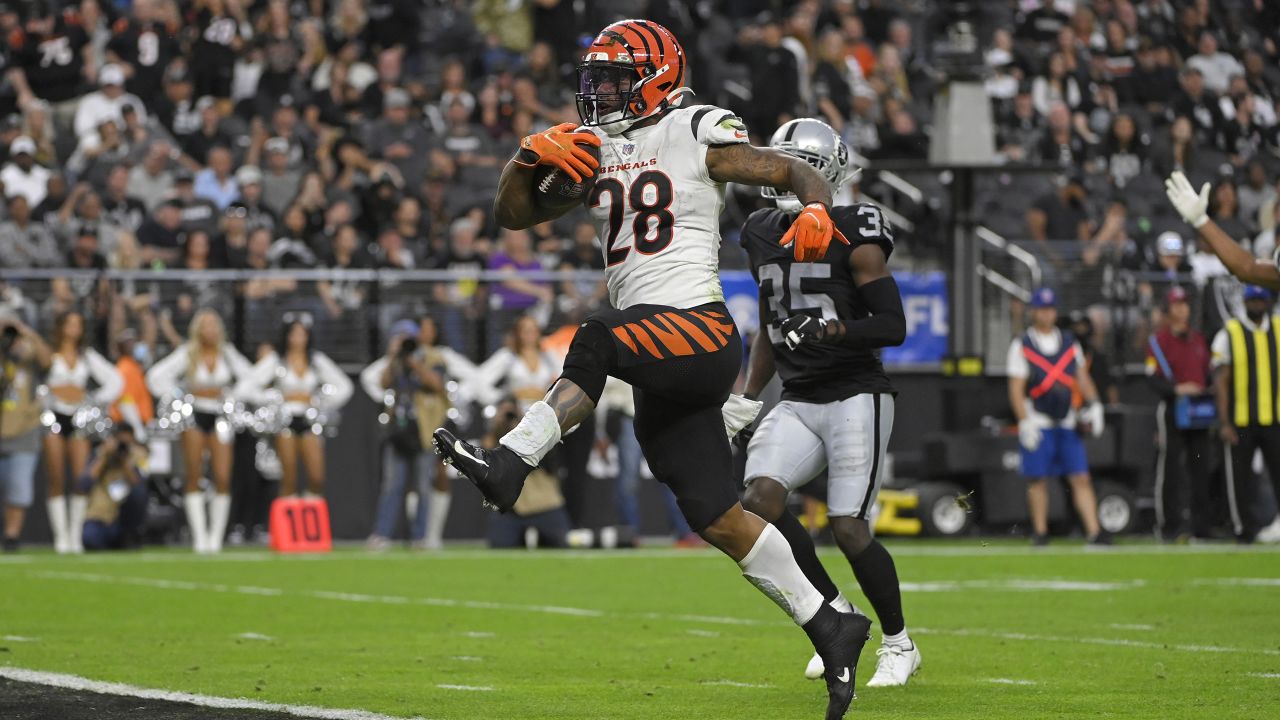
(408, 347)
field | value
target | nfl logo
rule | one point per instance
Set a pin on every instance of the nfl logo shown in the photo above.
(628, 148)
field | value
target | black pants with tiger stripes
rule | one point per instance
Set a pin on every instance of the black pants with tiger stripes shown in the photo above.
(1242, 486)
(681, 365)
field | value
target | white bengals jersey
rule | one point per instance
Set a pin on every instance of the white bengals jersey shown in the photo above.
(657, 210)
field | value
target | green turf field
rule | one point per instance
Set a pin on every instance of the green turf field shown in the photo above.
(1006, 632)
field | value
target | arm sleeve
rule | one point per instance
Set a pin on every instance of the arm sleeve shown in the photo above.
(328, 372)
(490, 375)
(371, 379)
(460, 369)
(887, 325)
(1220, 351)
(1015, 363)
(716, 126)
(240, 365)
(163, 377)
(110, 383)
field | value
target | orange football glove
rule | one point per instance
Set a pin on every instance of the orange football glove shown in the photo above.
(811, 233)
(558, 146)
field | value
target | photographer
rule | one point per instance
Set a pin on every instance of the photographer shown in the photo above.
(20, 429)
(411, 381)
(541, 505)
(115, 484)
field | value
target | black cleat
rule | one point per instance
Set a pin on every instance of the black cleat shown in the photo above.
(840, 650)
(498, 473)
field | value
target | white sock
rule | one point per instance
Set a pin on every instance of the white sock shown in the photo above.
(537, 433)
(842, 604)
(900, 640)
(437, 514)
(193, 503)
(57, 507)
(219, 510)
(78, 505)
(772, 568)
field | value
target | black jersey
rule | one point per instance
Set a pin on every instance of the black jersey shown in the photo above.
(817, 373)
(148, 46)
(52, 61)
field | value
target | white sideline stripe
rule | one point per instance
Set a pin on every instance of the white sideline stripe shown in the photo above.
(467, 658)
(1135, 626)
(75, 682)
(19, 638)
(1010, 681)
(703, 633)
(477, 634)
(582, 612)
(1240, 582)
(255, 636)
(1019, 585)
(1116, 642)
(1268, 676)
(734, 683)
(466, 688)
(904, 549)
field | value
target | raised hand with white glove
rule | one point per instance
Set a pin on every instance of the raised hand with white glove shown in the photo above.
(1191, 206)
(1093, 416)
(1029, 434)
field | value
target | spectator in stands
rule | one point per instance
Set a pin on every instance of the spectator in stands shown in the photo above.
(1061, 144)
(25, 244)
(1046, 357)
(1178, 151)
(216, 183)
(773, 101)
(515, 296)
(107, 103)
(1059, 216)
(1216, 67)
(151, 180)
(50, 56)
(280, 184)
(22, 175)
(396, 139)
(115, 484)
(21, 350)
(161, 235)
(1242, 138)
(1224, 209)
(1154, 81)
(1124, 152)
(1198, 104)
(119, 209)
(1255, 195)
(581, 297)
(256, 213)
(1055, 87)
(1022, 130)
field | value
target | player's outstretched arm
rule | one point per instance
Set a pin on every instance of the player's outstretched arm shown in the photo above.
(1192, 206)
(812, 230)
(750, 165)
(885, 326)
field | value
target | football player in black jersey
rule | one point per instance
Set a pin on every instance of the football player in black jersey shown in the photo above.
(821, 325)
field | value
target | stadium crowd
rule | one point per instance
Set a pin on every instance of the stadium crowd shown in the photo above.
(369, 134)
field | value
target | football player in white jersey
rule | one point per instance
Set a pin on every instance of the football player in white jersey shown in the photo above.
(656, 202)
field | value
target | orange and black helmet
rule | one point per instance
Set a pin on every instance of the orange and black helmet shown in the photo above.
(631, 71)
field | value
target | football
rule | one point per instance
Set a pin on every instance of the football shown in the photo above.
(555, 190)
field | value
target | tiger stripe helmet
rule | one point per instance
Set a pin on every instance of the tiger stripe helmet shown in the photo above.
(632, 70)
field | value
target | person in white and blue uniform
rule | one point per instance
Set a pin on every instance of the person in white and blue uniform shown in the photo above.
(1054, 402)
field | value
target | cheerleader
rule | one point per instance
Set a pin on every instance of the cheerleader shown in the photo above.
(298, 372)
(68, 369)
(207, 367)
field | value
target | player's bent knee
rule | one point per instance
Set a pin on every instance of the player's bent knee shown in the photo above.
(765, 497)
(591, 357)
(853, 535)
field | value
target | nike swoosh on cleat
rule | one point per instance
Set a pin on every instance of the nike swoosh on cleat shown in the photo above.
(844, 677)
(461, 449)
